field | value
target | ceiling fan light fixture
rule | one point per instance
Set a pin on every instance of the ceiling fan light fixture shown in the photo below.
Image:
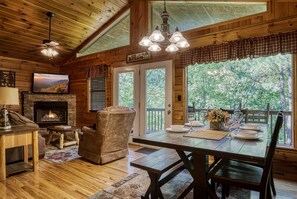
(49, 52)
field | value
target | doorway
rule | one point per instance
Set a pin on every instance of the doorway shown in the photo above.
(148, 89)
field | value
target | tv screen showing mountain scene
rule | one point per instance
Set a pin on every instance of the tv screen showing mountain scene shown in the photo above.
(50, 83)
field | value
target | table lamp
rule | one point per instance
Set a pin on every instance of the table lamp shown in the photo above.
(8, 96)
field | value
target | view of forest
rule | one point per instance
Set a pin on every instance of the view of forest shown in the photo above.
(253, 83)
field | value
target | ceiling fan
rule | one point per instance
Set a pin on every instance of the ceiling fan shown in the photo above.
(50, 46)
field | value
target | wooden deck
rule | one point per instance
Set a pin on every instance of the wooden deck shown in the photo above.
(80, 179)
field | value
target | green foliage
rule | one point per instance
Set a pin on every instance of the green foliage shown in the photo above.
(251, 82)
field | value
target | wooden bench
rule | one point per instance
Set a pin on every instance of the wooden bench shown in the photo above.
(157, 164)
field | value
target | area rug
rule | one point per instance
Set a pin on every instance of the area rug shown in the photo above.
(56, 155)
(136, 184)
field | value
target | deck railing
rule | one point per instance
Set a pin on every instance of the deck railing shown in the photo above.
(155, 121)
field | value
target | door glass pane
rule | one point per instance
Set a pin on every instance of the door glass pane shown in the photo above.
(126, 89)
(155, 99)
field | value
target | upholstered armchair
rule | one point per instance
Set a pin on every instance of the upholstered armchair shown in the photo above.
(109, 141)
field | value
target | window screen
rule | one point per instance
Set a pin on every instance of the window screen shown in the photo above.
(97, 93)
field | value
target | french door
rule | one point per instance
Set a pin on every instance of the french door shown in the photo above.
(148, 89)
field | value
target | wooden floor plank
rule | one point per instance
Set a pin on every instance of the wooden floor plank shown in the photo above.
(81, 179)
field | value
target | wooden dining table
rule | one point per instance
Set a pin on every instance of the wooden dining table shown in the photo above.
(240, 149)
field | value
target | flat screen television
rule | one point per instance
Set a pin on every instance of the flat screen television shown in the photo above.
(50, 83)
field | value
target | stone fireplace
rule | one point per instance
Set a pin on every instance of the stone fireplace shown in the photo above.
(50, 109)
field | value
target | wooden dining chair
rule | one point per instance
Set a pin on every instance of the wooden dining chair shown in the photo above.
(246, 175)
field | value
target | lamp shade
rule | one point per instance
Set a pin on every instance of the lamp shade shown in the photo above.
(9, 96)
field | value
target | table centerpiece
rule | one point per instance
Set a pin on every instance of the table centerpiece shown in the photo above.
(217, 118)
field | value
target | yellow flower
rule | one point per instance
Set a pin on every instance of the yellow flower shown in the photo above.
(217, 115)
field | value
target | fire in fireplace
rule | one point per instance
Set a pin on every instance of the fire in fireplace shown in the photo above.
(50, 117)
(50, 113)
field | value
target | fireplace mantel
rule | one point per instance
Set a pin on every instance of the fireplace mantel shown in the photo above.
(30, 98)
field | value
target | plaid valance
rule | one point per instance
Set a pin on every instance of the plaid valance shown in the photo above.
(97, 71)
(244, 48)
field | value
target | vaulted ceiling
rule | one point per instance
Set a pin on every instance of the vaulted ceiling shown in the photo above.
(24, 25)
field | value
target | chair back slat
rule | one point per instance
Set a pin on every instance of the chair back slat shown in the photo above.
(272, 146)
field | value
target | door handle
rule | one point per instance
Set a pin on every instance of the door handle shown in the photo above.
(168, 112)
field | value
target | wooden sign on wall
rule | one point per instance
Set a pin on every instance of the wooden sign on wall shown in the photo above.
(7, 78)
(138, 56)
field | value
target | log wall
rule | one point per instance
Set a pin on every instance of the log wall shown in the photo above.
(23, 70)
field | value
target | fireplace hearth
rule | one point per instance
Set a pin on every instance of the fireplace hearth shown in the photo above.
(48, 113)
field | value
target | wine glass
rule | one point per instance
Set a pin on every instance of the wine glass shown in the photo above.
(191, 118)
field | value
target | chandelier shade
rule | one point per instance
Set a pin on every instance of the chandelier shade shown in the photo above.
(163, 38)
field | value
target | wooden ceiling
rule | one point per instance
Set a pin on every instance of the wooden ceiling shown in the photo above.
(24, 25)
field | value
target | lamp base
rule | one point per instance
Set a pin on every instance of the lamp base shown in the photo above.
(5, 127)
(4, 121)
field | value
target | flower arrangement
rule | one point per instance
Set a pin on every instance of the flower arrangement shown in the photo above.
(217, 115)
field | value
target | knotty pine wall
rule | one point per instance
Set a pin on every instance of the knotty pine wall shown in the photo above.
(23, 70)
(281, 16)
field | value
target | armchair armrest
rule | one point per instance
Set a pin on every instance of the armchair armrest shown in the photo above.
(86, 131)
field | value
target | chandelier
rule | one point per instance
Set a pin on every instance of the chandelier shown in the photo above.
(163, 38)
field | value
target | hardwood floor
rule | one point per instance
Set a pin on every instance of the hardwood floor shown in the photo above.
(80, 179)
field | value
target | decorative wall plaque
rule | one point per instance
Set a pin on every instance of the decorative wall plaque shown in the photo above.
(7, 78)
(138, 56)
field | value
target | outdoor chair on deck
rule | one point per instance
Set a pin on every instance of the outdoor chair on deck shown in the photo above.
(258, 116)
(247, 175)
(109, 141)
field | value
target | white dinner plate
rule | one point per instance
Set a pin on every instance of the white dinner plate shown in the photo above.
(239, 136)
(177, 131)
(251, 128)
(194, 125)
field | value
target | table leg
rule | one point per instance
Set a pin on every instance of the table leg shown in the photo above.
(2, 158)
(61, 140)
(50, 135)
(35, 150)
(199, 175)
(26, 154)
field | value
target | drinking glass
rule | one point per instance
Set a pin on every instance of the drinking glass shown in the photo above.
(191, 118)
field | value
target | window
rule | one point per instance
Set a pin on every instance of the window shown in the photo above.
(191, 15)
(251, 83)
(97, 93)
(116, 35)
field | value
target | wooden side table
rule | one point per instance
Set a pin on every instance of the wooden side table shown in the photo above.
(14, 137)
(61, 131)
